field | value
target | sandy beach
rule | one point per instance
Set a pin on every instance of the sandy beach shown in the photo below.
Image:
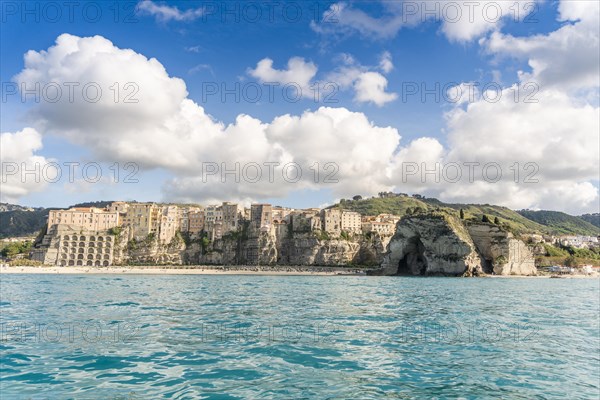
(191, 270)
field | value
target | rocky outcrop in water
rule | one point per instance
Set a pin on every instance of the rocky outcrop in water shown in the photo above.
(500, 252)
(441, 244)
(430, 245)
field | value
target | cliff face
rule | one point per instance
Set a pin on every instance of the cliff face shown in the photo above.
(149, 251)
(442, 244)
(501, 253)
(429, 245)
(426, 244)
(307, 250)
(267, 248)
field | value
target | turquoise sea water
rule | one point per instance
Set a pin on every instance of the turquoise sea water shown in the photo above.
(286, 337)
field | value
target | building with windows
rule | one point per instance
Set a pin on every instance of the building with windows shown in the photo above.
(331, 221)
(68, 246)
(232, 216)
(195, 222)
(119, 206)
(351, 222)
(213, 221)
(169, 223)
(304, 221)
(382, 228)
(281, 214)
(142, 219)
(261, 215)
(86, 218)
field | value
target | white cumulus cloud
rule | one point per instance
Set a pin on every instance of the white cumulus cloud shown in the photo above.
(371, 87)
(21, 167)
(567, 59)
(165, 129)
(299, 73)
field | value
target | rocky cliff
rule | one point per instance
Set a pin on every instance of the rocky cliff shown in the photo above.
(149, 251)
(429, 245)
(500, 252)
(441, 244)
(424, 244)
(267, 248)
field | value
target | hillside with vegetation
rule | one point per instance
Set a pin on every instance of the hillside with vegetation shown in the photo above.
(25, 221)
(593, 219)
(22, 223)
(518, 222)
(97, 204)
(560, 223)
(387, 205)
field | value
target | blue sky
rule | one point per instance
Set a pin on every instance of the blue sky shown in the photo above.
(193, 43)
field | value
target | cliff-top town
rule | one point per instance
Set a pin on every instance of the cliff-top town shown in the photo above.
(77, 228)
(437, 241)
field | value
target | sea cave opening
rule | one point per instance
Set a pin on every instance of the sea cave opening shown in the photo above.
(487, 266)
(414, 261)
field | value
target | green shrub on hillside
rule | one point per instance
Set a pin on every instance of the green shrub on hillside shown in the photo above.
(12, 249)
(552, 251)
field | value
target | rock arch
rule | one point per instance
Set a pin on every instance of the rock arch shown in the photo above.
(430, 245)
(414, 261)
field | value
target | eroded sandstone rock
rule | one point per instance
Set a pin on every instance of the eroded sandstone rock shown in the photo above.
(443, 244)
(430, 245)
(501, 253)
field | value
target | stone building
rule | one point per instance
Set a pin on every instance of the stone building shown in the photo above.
(119, 206)
(88, 218)
(382, 228)
(305, 221)
(142, 219)
(351, 221)
(184, 216)
(195, 222)
(66, 247)
(232, 215)
(213, 222)
(169, 223)
(281, 214)
(145, 219)
(261, 215)
(331, 221)
(391, 218)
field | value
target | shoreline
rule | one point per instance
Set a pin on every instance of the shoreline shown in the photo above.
(220, 270)
(195, 270)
